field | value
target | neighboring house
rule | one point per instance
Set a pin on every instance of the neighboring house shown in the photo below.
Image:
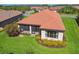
(39, 8)
(9, 16)
(28, 13)
(46, 23)
(56, 8)
(52, 8)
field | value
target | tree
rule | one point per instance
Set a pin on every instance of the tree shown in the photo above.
(20, 8)
(12, 29)
(69, 10)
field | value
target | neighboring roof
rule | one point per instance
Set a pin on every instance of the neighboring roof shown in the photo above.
(46, 19)
(6, 14)
(39, 8)
(52, 8)
(34, 7)
(56, 8)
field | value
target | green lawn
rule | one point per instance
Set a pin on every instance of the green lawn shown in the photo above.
(28, 44)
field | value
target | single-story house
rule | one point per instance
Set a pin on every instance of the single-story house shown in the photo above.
(9, 16)
(39, 8)
(56, 8)
(46, 23)
(28, 13)
(52, 8)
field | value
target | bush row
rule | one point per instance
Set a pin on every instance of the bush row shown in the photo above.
(51, 43)
(54, 43)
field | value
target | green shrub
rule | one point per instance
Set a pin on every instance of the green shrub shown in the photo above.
(49, 42)
(61, 43)
(1, 29)
(38, 37)
(12, 29)
(53, 43)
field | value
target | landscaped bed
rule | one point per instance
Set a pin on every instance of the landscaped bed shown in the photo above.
(28, 44)
(51, 43)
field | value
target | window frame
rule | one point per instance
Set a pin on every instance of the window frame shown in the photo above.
(35, 29)
(25, 27)
(52, 34)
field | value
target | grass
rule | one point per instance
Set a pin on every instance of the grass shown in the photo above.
(72, 34)
(24, 17)
(28, 44)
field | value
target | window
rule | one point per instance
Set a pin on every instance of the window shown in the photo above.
(52, 34)
(24, 27)
(35, 29)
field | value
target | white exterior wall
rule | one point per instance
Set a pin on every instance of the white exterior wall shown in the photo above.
(60, 36)
(43, 34)
(30, 29)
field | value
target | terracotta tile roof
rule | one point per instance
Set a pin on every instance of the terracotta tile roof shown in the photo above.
(4, 15)
(56, 8)
(39, 8)
(46, 19)
(52, 8)
(34, 7)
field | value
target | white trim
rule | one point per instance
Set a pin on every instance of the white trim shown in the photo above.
(43, 34)
(60, 36)
(30, 29)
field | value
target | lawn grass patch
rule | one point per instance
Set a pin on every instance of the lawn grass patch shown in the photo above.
(28, 44)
